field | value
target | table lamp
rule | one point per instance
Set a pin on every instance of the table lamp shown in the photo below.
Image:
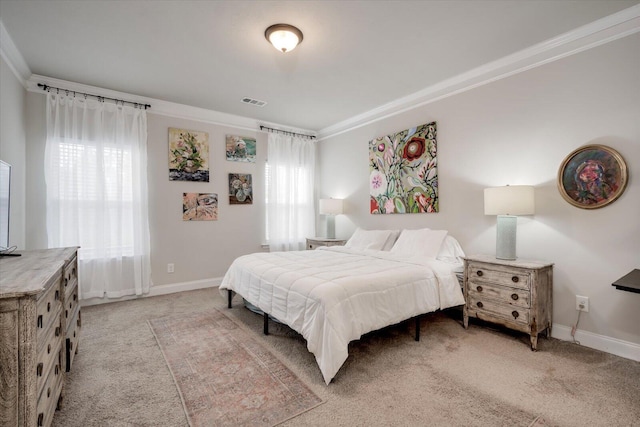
(331, 208)
(508, 202)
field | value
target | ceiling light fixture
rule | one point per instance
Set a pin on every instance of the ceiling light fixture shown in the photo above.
(283, 37)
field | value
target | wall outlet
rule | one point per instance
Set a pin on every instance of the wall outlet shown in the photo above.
(170, 268)
(582, 303)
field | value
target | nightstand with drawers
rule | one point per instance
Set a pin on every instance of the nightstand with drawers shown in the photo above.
(515, 294)
(314, 242)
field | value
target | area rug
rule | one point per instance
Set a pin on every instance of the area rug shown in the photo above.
(225, 376)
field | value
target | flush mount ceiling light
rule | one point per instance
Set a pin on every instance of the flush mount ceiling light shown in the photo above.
(283, 37)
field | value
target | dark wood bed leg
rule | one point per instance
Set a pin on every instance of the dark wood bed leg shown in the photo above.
(417, 328)
(266, 323)
(229, 298)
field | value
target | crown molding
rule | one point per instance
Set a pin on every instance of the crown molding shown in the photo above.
(605, 30)
(13, 57)
(160, 107)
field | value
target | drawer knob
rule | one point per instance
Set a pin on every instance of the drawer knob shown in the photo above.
(40, 419)
(48, 307)
(515, 314)
(57, 295)
(479, 304)
(479, 273)
(515, 279)
(75, 297)
(39, 369)
(49, 392)
(479, 288)
(40, 321)
(57, 370)
(58, 331)
(514, 297)
(49, 349)
(66, 281)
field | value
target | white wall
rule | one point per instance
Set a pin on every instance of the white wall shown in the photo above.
(518, 131)
(12, 148)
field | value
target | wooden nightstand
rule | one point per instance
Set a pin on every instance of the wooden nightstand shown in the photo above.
(516, 294)
(314, 242)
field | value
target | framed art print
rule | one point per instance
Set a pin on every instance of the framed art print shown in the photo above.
(592, 176)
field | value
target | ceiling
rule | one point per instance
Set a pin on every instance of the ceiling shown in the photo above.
(355, 57)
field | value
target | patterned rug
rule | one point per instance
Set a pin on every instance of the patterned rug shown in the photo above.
(224, 376)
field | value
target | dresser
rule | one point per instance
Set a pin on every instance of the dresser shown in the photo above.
(515, 294)
(314, 242)
(39, 329)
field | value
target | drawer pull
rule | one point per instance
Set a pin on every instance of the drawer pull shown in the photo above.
(48, 307)
(515, 314)
(40, 321)
(39, 369)
(479, 288)
(479, 273)
(515, 279)
(57, 295)
(57, 369)
(40, 419)
(49, 392)
(479, 304)
(48, 348)
(66, 314)
(58, 331)
(73, 271)
(78, 321)
(514, 297)
(75, 297)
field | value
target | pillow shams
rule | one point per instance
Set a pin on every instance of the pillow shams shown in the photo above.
(379, 240)
(423, 242)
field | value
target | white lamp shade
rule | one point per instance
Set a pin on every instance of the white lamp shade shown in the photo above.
(331, 206)
(509, 200)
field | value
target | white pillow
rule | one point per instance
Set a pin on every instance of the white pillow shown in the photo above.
(450, 251)
(424, 242)
(379, 240)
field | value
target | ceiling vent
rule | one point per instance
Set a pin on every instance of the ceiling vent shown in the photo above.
(255, 102)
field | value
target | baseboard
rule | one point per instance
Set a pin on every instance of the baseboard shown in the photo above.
(159, 290)
(621, 348)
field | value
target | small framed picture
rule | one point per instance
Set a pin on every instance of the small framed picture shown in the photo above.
(240, 189)
(592, 176)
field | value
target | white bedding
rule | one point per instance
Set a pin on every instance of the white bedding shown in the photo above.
(334, 295)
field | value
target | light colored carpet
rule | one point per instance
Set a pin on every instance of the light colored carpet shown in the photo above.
(224, 376)
(451, 377)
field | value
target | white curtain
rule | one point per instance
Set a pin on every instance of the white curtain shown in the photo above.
(290, 191)
(96, 176)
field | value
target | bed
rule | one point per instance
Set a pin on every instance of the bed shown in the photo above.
(334, 295)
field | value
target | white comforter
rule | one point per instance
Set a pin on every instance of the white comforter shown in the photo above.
(334, 295)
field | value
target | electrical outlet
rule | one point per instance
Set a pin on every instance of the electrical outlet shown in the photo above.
(582, 303)
(170, 268)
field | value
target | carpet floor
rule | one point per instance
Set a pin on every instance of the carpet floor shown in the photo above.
(482, 376)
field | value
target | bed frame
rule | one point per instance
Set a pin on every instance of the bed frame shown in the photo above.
(265, 316)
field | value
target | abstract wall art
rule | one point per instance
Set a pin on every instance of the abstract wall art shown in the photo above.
(188, 155)
(199, 207)
(403, 174)
(241, 149)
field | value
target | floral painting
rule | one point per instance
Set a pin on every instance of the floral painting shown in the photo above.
(403, 171)
(188, 155)
(240, 189)
(241, 149)
(592, 176)
(199, 207)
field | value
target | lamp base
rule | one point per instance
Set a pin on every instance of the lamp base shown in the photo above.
(331, 226)
(506, 237)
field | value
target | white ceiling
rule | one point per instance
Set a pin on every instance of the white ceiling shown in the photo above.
(356, 55)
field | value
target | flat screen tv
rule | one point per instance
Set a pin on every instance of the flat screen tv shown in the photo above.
(5, 187)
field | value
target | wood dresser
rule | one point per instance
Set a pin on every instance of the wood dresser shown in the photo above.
(39, 328)
(516, 294)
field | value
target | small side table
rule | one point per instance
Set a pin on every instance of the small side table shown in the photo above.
(315, 242)
(516, 294)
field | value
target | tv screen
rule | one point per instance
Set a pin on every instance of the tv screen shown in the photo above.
(5, 186)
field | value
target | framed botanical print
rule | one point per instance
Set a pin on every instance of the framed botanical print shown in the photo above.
(592, 176)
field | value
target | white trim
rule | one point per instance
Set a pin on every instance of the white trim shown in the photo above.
(158, 290)
(621, 348)
(610, 28)
(13, 57)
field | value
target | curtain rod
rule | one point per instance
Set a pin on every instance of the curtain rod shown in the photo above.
(286, 132)
(100, 98)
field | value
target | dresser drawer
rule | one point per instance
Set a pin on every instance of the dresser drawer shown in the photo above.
(491, 308)
(47, 313)
(479, 273)
(70, 278)
(512, 296)
(72, 338)
(49, 395)
(71, 304)
(48, 354)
